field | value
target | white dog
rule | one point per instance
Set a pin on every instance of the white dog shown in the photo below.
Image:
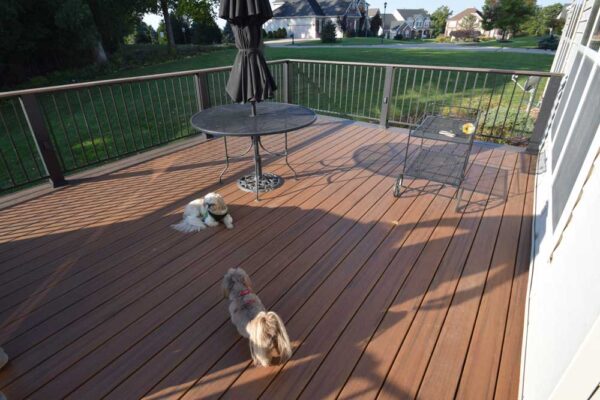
(208, 211)
(265, 330)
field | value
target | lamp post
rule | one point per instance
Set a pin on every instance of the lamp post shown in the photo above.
(383, 22)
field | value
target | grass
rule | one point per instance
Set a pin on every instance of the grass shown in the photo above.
(375, 55)
(92, 126)
(364, 41)
(523, 42)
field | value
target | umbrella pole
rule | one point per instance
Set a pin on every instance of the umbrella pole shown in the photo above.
(253, 114)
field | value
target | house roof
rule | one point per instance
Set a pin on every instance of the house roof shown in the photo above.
(411, 12)
(402, 27)
(297, 8)
(373, 11)
(464, 13)
(388, 20)
(294, 8)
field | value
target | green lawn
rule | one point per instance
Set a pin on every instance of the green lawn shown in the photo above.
(364, 41)
(524, 42)
(375, 55)
(91, 126)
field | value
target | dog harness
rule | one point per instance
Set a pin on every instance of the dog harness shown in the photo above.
(244, 293)
(217, 217)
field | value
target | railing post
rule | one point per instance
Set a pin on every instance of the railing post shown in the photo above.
(37, 126)
(387, 93)
(201, 84)
(202, 96)
(288, 82)
(539, 128)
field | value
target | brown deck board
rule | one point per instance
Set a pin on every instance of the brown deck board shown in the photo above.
(85, 264)
(507, 386)
(160, 276)
(447, 359)
(188, 315)
(422, 334)
(381, 296)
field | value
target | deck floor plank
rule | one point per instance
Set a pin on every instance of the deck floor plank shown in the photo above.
(447, 359)
(396, 298)
(187, 255)
(422, 334)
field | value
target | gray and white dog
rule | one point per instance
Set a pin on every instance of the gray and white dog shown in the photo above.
(265, 330)
(200, 213)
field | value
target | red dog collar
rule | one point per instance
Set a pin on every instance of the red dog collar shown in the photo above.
(245, 292)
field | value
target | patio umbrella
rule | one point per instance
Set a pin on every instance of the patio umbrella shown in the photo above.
(250, 79)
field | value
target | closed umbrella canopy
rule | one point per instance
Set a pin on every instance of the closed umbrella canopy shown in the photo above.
(240, 12)
(250, 78)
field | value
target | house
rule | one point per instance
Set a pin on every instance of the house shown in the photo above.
(457, 22)
(306, 18)
(389, 21)
(412, 23)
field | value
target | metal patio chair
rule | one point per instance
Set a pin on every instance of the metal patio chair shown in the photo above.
(437, 149)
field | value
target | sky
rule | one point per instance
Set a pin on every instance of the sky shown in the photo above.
(455, 5)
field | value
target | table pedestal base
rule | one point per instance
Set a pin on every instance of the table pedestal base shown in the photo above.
(266, 183)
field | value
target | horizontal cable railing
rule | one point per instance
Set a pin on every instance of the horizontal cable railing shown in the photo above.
(52, 131)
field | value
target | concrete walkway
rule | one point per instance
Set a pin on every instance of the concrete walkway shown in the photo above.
(429, 46)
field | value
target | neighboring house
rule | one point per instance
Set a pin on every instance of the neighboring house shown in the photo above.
(390, 23)
(456, 23)
(412, 23)
(306, 18)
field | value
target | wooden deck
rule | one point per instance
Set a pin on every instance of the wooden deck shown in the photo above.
(382, 297)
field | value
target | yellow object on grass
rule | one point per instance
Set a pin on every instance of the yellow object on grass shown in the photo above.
(468, 128)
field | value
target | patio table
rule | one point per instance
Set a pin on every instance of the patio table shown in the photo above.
(235, 120)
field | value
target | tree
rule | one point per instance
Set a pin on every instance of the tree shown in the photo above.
(343, 24)
(143, 33)
(164, 8)
(115, 19)
(40, 36)
(544, 19)
(206, 33)
(328, 32)
(506, 15)
(438, 20)
(375, 23)
(228, 33)
(199, 11)
(468, 22)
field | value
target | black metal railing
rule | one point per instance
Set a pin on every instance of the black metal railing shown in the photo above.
(49, 132)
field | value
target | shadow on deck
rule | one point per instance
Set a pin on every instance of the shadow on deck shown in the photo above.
(382, 296)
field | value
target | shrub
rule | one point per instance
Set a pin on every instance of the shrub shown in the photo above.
(206, 34)
(485, 38)
(280, 33)
(398, 36)
(548, 43)
(328, 32)
(465, 35)
(442, 39)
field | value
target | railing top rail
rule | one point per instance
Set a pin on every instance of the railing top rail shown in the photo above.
(434, 67)
(83, 85)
